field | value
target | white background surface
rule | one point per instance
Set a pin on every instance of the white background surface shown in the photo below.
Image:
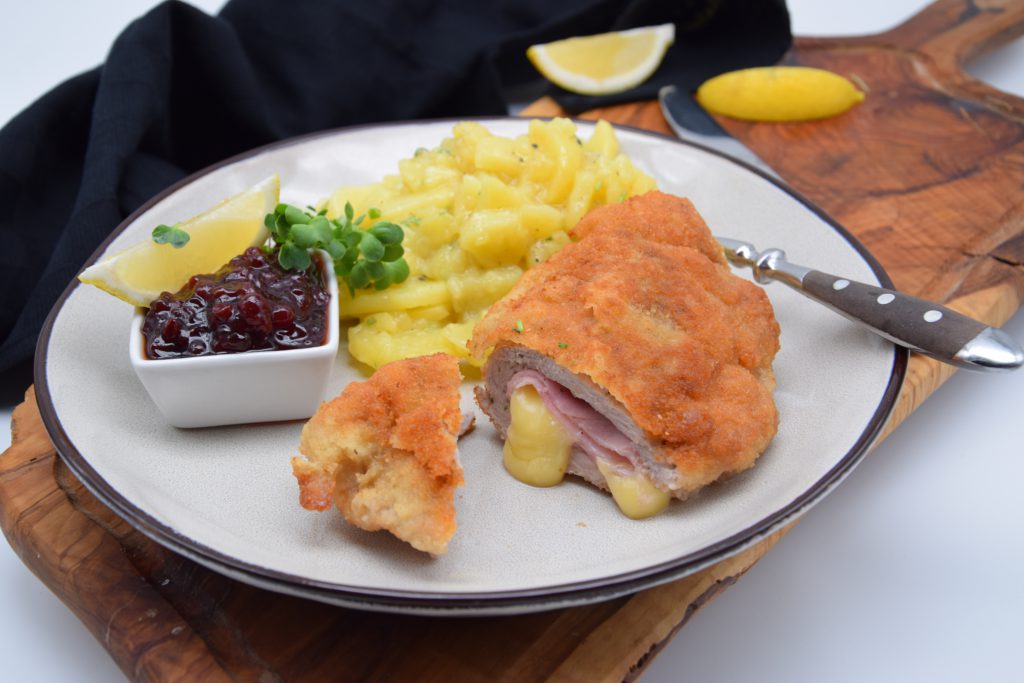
(911, 570)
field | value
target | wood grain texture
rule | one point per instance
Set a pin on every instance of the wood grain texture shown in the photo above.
(927, 172)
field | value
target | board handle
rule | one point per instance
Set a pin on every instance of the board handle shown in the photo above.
(960, 30)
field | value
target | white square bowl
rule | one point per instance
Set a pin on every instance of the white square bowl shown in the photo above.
(240, 388)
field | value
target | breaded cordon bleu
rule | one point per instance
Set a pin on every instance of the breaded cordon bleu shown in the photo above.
(384, 452)
(632, 358)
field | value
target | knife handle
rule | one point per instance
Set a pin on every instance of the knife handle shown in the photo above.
(920, 325)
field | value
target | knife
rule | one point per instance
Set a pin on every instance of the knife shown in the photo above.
(919, 325)
(690, 122)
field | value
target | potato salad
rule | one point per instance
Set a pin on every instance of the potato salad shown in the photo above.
(477, 211)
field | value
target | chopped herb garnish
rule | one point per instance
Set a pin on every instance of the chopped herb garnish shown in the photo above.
(562, 345)
(170, 234)
(362, 258)
(373, 213)
(518, 329)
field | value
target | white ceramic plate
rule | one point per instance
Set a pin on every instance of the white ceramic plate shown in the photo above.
(226, 496)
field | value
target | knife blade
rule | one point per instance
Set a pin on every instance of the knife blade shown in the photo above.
(690, 122)
(917, 324)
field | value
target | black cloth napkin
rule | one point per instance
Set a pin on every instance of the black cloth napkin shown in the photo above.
(181, 90)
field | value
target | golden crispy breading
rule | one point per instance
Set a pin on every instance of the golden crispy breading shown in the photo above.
(647, 218)
(646, 307)
(384, 452)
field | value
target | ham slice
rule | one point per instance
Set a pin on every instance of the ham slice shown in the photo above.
(592, 432)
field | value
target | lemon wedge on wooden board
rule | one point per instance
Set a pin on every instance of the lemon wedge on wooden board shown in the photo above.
(142, 272)
(605, 63)
(778, 93)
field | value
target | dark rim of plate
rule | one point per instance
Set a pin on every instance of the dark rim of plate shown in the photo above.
(535, 599)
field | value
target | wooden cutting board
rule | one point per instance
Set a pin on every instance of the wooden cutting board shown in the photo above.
(928, 172)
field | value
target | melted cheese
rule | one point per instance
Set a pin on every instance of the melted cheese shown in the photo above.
(537, 448)
(537, 452)
(635, 495)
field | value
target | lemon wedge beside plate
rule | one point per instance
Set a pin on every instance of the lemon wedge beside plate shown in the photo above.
(605, 63)
(142, 272)
(779, 93)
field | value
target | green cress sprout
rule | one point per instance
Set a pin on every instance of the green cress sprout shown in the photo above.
(170, 234)
(362, 258)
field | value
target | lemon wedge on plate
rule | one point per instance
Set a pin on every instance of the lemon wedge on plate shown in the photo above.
(141, 273)
(604, 63)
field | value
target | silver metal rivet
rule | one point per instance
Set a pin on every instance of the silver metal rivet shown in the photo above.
(840, 284)
(932, 316)
(886, 298)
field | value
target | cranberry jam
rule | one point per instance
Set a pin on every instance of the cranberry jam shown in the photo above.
(251, 304)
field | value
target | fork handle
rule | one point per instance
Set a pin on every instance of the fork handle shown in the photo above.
(920, 325)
